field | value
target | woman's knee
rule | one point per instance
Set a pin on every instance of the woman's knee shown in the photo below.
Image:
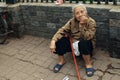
(85, 47)
(63, 46)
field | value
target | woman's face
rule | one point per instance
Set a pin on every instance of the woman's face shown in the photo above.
(79, 12)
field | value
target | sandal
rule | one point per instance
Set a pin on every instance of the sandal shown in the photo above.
(89, 72)
(57, 68)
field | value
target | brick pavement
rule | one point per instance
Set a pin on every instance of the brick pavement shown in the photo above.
(29, 58)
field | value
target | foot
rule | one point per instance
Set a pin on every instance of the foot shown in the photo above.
(57, 68)
(90, 72)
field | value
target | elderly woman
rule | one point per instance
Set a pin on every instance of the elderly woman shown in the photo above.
(82, 28)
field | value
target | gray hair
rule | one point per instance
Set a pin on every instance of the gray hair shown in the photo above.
(81, 5)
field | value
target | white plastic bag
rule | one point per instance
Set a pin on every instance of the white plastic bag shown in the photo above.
(75, 46)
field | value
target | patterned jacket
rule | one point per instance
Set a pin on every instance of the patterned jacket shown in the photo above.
(77, 31)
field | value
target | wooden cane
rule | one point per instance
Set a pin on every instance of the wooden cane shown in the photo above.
(74, 58)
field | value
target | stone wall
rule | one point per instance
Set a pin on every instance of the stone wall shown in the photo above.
(102, 18)
(114, 33)
(44, 20)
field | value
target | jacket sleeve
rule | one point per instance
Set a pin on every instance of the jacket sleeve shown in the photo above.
(62, 31)
(90, 31)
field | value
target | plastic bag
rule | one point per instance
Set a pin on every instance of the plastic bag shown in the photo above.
(75, 46)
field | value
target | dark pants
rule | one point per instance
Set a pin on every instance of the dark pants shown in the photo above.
(63, 46)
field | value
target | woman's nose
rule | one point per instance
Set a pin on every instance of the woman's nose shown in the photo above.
(80, 14)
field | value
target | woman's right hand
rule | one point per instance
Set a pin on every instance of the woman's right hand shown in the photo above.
(52, 46)
(83, 20)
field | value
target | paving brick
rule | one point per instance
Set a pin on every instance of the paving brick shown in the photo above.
(114, 71)
(91, 78)
(10, 62)
(27, 55)
(114, 60)
(11, 73)
(28, 47)
(59, 77)
(107, 76)
(65, 70)
(98, 73)
(32, 57)
(3, 59)
(72, 71)
(73, 78)
(48, 62)
(2, 78)
(19, 56)
(116, 77)
(18, 65)
(31, 47)
(39, 75)
(100, 65)
(30, 78)
(46, 52)
(29, 68)
(54, 76)
(115, 65)
(82, 73)
(10, 51)
(19, 76)
(19, 46)
(4, 70)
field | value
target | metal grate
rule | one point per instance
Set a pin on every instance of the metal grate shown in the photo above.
(114, 2)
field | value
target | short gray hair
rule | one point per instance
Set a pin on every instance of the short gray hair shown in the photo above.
(82, 5)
